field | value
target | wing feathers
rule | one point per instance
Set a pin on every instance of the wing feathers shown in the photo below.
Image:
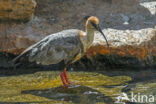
(53, 49)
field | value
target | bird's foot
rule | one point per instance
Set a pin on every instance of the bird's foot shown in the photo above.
(71, 83)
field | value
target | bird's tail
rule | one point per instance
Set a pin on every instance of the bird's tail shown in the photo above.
(17, 59)
(21, 59)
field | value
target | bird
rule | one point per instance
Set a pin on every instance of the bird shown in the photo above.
(62, 48)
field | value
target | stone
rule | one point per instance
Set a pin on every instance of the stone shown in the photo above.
(137, 43)
(17, 9)
(128, 26)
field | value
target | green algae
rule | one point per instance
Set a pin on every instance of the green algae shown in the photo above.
(13, 86)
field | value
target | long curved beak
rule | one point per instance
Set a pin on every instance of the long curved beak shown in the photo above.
(97, 27)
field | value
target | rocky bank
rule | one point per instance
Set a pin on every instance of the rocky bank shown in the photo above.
(128, 25)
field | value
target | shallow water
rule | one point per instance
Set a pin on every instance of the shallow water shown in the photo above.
(96, 87)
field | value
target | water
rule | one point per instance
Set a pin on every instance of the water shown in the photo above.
(96, 87)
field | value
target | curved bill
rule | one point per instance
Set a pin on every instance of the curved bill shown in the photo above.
(99, 29)
(104, 36)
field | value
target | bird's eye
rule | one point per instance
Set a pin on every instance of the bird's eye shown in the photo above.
(94, 25)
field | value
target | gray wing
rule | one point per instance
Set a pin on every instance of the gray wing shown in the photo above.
(64, 45)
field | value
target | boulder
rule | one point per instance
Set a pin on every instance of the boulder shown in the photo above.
(17, 9)
(137, 43)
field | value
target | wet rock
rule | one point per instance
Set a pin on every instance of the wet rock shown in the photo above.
(17, 9)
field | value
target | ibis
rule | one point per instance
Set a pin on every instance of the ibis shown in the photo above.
(62, 48)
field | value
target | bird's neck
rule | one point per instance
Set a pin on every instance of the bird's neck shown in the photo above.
(89, 36)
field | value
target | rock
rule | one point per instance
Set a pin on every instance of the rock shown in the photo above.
(137, 43)
(129, 27)
(17, 9)
(150, 5)
(20, 36)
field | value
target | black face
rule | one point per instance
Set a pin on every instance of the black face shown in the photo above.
(97, 27)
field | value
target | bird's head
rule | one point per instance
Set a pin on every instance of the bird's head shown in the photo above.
(93, 23)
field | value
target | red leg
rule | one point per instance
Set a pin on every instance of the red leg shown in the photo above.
(62, 78)
(65, 75)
